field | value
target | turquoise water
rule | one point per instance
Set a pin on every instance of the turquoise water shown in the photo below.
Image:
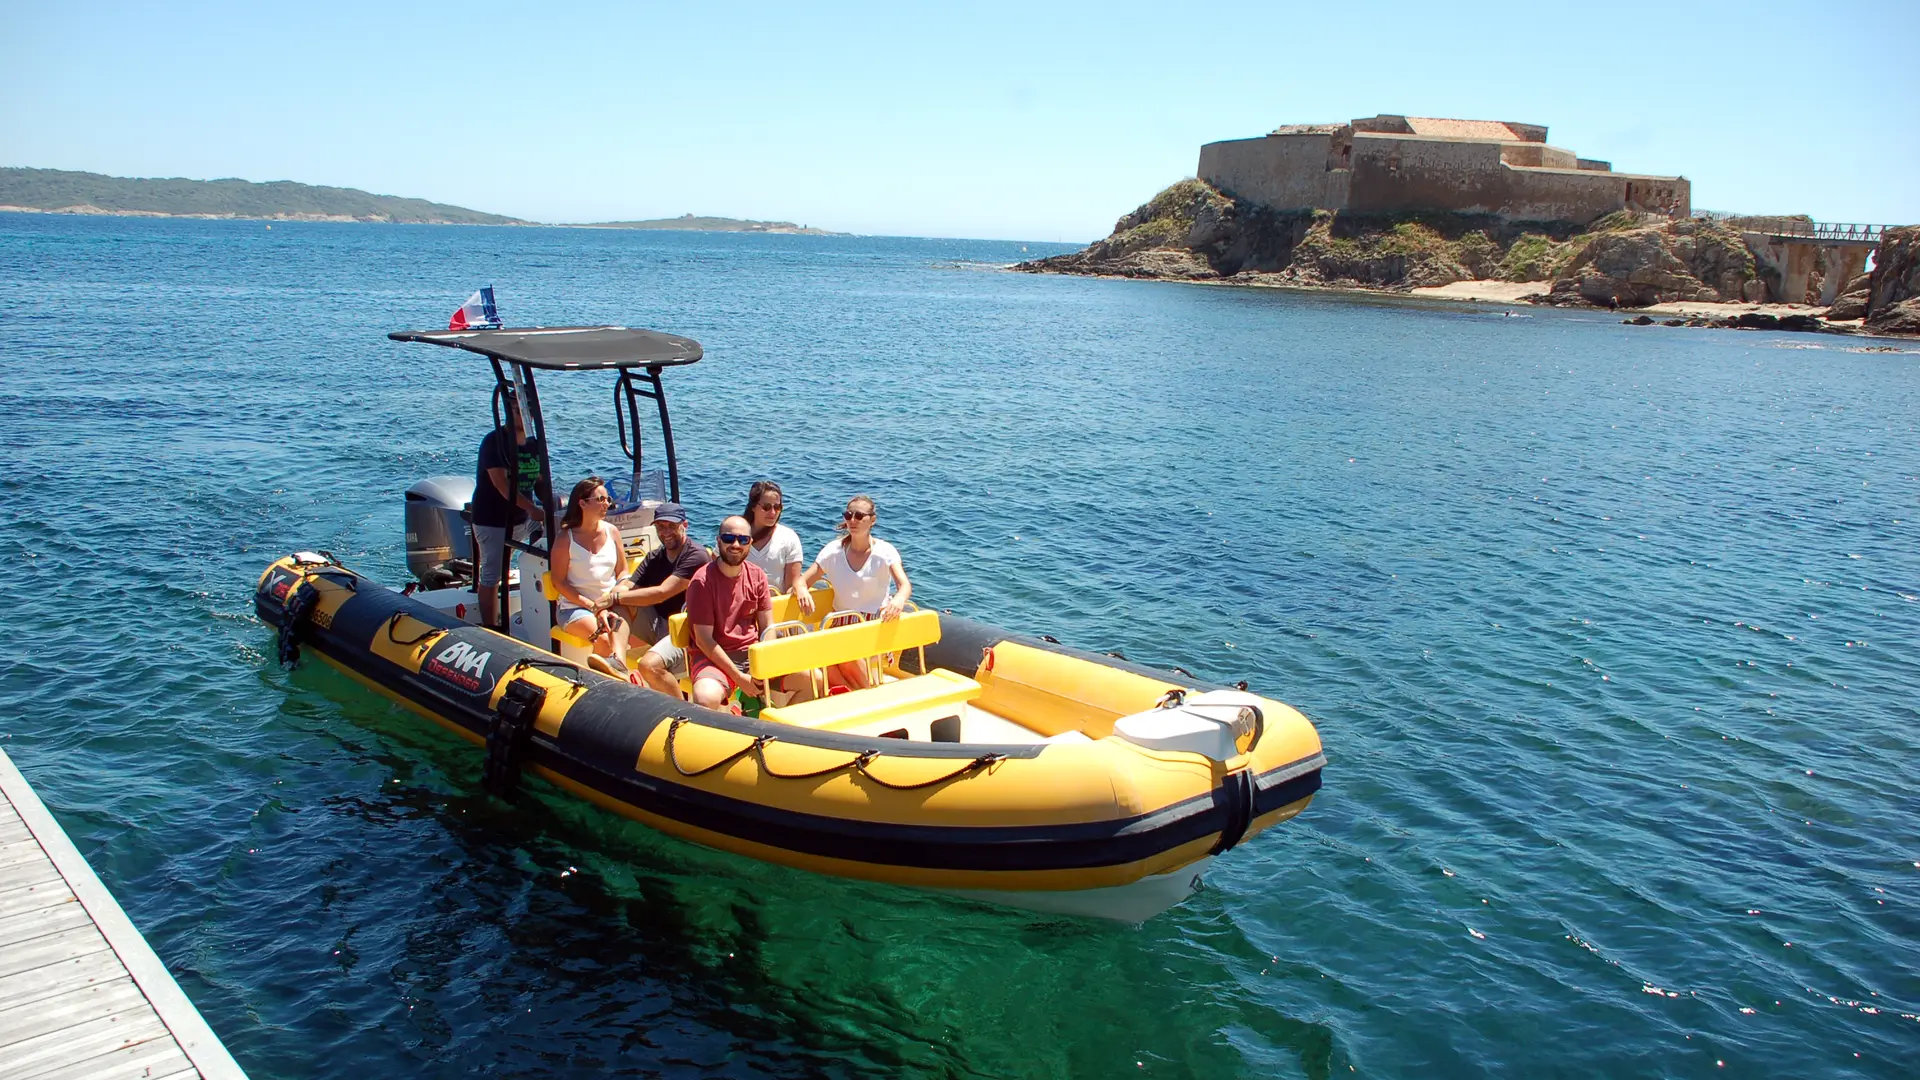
(1610, 633)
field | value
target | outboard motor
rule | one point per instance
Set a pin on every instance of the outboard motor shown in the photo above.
(439, 545)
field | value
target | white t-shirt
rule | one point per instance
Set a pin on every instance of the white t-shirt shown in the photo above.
(865, 589)
(781, 549)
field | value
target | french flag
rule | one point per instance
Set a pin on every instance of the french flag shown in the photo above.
(477, 313)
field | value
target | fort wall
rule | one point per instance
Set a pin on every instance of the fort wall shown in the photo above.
(1283, 171)
(1397, 164)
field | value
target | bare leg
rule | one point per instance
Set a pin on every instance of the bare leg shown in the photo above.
(852, 674)
(654, 670)
(617, 639)
(711, 693)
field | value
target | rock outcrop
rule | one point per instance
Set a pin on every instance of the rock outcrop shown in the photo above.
(1682, 260)
(1893, 303)
(1193, 231)
(1852, 301)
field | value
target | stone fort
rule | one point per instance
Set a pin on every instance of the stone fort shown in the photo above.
(1394, 164)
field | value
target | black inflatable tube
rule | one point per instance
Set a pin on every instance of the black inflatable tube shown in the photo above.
(607, 727)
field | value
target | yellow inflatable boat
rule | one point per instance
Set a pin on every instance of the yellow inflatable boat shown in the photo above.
(979, 762)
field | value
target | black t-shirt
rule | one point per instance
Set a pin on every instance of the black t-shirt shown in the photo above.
(489, 506)
(655, 568)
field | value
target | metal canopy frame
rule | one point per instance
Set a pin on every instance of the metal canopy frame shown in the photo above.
(513, 373)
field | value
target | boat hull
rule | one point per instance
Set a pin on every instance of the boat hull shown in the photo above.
(1096, 827)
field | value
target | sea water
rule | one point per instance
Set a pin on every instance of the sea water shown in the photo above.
(1610, 633)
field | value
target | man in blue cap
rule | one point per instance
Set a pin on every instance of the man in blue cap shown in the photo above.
(657, 592)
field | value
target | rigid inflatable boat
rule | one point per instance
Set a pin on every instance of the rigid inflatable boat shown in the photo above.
(976, 761)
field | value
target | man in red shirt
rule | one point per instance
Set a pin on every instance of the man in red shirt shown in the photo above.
(729, 606)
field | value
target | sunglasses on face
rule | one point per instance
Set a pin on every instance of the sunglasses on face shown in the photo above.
(772, 508)
(598, 499)
(857, 515)
(735, 538)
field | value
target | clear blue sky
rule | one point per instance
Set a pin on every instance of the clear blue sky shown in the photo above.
(1030, 121)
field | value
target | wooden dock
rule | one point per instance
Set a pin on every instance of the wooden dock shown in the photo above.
(81, 993)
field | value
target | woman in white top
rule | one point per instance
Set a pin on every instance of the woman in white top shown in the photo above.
(588, 557)
(775, 548)
(866, 576)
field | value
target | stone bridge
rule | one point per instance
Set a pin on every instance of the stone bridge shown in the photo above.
(1795, 248)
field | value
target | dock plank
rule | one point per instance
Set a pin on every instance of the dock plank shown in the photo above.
(81, 992)
(36, 897)
(20, 853)
(38, 924)
(34, 874)
(76, 1006)
(53, 979)
(158, 1059)
(97, 1037)
(52, 949)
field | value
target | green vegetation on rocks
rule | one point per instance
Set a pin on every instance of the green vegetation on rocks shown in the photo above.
(59, 191)
(1193, 231)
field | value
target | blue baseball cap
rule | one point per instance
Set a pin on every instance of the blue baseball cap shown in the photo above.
(670, 512)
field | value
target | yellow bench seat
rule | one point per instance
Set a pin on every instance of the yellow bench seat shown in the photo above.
(842, 644)
(936, 689)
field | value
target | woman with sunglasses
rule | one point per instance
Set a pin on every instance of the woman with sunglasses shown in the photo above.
(588, 557)
(776, 549)
(863, 570)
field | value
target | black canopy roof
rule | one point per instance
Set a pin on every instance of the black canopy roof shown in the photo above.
(567, 348)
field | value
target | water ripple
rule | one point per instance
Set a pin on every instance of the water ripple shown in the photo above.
(1609, 635)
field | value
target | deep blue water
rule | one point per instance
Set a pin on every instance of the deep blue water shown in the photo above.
(1610, 633)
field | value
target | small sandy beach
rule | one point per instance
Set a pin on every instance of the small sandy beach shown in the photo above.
(1490, 291)
(1510, 292)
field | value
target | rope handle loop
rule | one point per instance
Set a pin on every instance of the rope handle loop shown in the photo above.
(858, 763)
(564, 668)
(394, 624)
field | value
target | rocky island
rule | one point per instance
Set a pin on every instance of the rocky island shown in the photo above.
(692, 223)
(58, 191)
(1401, 204)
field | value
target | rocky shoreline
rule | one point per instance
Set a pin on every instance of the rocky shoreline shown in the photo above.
(1196, 233)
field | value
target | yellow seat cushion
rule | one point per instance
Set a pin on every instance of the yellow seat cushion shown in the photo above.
(787, 609)
(938, 687)
(1052, 693)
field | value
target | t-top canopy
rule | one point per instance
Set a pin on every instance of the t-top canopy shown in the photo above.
(567, 348)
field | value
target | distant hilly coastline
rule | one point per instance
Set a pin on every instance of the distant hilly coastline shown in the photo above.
(693, 223)
(59, 191)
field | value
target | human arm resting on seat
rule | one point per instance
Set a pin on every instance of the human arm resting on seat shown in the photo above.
(794, 582)
(805, 595)
(903, 591)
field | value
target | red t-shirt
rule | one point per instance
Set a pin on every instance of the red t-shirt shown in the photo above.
(731, 605)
